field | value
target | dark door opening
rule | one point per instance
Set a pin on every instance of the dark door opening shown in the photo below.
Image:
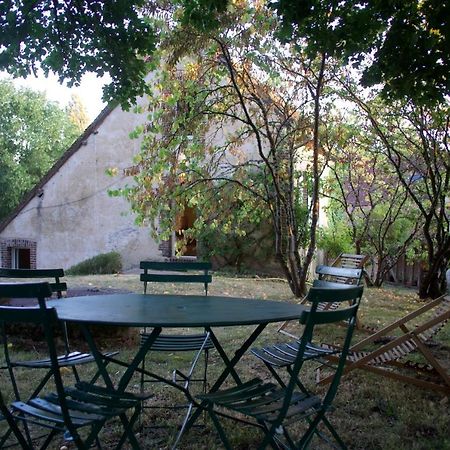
(185, 221)
(22, 258)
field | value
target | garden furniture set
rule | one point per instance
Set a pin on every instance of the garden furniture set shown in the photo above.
(269, 406)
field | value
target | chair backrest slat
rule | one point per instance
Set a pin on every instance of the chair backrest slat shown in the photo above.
(183, 272)
(165, 278)
(31, 273)
(326, 317)
(340, 275)
(330, 295)
(175, 265)
(57, 286)
(350, 261)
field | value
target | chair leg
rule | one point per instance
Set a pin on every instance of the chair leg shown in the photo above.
(275, 375)
(219, 429)
(186, 386)
(13, 428)
(49, 438)
(128, 430)
(269, 434)
(334, 433)
(308, 435)
(183, 426)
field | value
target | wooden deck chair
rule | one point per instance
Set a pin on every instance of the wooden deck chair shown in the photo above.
(389, 359)
(333, 278)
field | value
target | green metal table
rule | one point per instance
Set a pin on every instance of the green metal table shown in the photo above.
(173, 311)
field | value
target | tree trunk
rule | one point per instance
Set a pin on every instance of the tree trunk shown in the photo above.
(434, 283)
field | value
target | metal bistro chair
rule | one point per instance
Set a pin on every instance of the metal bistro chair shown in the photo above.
(330, 277)
(68, 408)
(282, 355)
(179, 272)
(273, 407)
(71, 358)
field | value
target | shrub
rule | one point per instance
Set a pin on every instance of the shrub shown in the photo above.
(105, 263)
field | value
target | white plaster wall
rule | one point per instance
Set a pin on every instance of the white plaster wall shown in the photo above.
(75, 218)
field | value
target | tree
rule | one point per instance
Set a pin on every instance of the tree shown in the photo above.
(72, 38)
(234, 120)
(379, 215)
(414, 139)
(77, 113)
(33, 134)
(408, 40)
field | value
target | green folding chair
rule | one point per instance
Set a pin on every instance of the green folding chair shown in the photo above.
(330, 277)
(282, 355)
(198, 344)
(67, 409)
(71, 358)
(273, 407)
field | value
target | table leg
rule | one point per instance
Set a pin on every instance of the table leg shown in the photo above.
(99, 360)
(133, 366)
(229, 367)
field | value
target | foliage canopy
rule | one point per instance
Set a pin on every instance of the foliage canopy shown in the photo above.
(34, 132)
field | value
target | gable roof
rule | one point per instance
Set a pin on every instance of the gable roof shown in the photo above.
(58, 164)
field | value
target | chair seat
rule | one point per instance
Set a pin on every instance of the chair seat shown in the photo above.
(173, 343)
(263, 401)
(283, 355)
(87, 404)
(71, 359)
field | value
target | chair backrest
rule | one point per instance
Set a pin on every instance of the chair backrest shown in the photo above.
(336, 277)
(36, 315)
(56, 286)
(350, 261)
(186, 272)
(311, 318)
(27, 315)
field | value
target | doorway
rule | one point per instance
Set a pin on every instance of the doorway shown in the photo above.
(187, 247)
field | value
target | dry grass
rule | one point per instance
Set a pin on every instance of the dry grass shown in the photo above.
(371, 412)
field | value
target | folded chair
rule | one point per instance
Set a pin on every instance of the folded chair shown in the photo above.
(67, 409)
(389, 359)
(283, 355)
(199, 344)
(330, 277)
(273, 407)
(70, 358)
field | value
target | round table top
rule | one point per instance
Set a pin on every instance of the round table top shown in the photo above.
(173, 310)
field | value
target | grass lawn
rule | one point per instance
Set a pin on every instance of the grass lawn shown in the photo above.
(372, 412)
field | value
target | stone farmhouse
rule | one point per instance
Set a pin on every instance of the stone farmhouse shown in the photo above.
(69, 217)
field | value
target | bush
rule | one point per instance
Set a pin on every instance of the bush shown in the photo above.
(104, 263)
